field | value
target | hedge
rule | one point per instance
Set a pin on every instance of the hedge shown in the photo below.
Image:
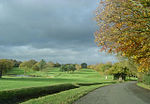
(19, 95)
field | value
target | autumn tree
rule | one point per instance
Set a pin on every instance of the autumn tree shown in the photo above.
(119, 70)
(77, 66)
(124, 28)
(5, 65)
(27, 65)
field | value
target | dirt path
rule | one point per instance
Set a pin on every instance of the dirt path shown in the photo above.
(123, 93)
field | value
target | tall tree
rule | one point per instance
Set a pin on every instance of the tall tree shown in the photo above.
(5, 65)
(124, 28)
(27, 65)
(42, 64)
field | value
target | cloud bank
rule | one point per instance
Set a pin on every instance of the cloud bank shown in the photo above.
(54, 30)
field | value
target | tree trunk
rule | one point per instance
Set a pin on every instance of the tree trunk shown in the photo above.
(0, 73)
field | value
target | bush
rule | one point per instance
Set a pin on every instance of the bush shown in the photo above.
(84, 65)
(146, 79)
(17, 95)
(68, 67)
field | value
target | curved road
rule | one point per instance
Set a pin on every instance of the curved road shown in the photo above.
(122, 93)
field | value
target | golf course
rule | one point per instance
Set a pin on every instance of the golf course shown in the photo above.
(49, 87)
(74, 51)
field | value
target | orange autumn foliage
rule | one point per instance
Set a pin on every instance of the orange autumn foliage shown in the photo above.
(124, 27)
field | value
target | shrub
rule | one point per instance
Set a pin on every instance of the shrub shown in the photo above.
(84, 65)
(17, 95)
(68, 67)
(146, 79)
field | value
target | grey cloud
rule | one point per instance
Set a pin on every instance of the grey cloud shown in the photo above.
(45, 26)
(90, 55)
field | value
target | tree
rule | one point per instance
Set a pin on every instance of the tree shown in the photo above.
(27, 65)
(41, 64)
(5, 65)
(51, 64)
(124, 28)
(123, 69)
(57, 64)
(36, 67)
(77, 66)
(68, 68)
(118, 70)
(84, 65)
(16, 63)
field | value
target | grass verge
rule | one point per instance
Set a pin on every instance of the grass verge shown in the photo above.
(65, 97)
(144, 85)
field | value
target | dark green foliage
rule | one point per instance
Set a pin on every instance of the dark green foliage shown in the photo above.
(36, 67)
(16, 63)
(57, 64)
(68, 67)
(84, 65)
(42, 64)
(17, 95)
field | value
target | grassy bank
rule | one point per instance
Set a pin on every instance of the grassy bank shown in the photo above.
(144, 85)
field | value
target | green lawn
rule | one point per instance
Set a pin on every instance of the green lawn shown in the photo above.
(53, 76)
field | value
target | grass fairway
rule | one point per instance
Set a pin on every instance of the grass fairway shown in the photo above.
(53, 76)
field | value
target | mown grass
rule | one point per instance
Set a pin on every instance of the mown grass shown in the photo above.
(144, 85)
(51, 77)
(65, 97)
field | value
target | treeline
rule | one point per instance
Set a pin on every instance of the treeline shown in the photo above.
(33, 65)
(119, 70)
(38, 66)
(8, 64)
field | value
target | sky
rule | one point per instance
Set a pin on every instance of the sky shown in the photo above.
(54, 30)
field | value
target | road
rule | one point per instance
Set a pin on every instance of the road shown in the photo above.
(122, 93)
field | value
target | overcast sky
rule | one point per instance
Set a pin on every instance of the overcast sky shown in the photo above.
(54, 30)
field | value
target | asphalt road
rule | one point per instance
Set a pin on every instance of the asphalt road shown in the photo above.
(122, 93)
